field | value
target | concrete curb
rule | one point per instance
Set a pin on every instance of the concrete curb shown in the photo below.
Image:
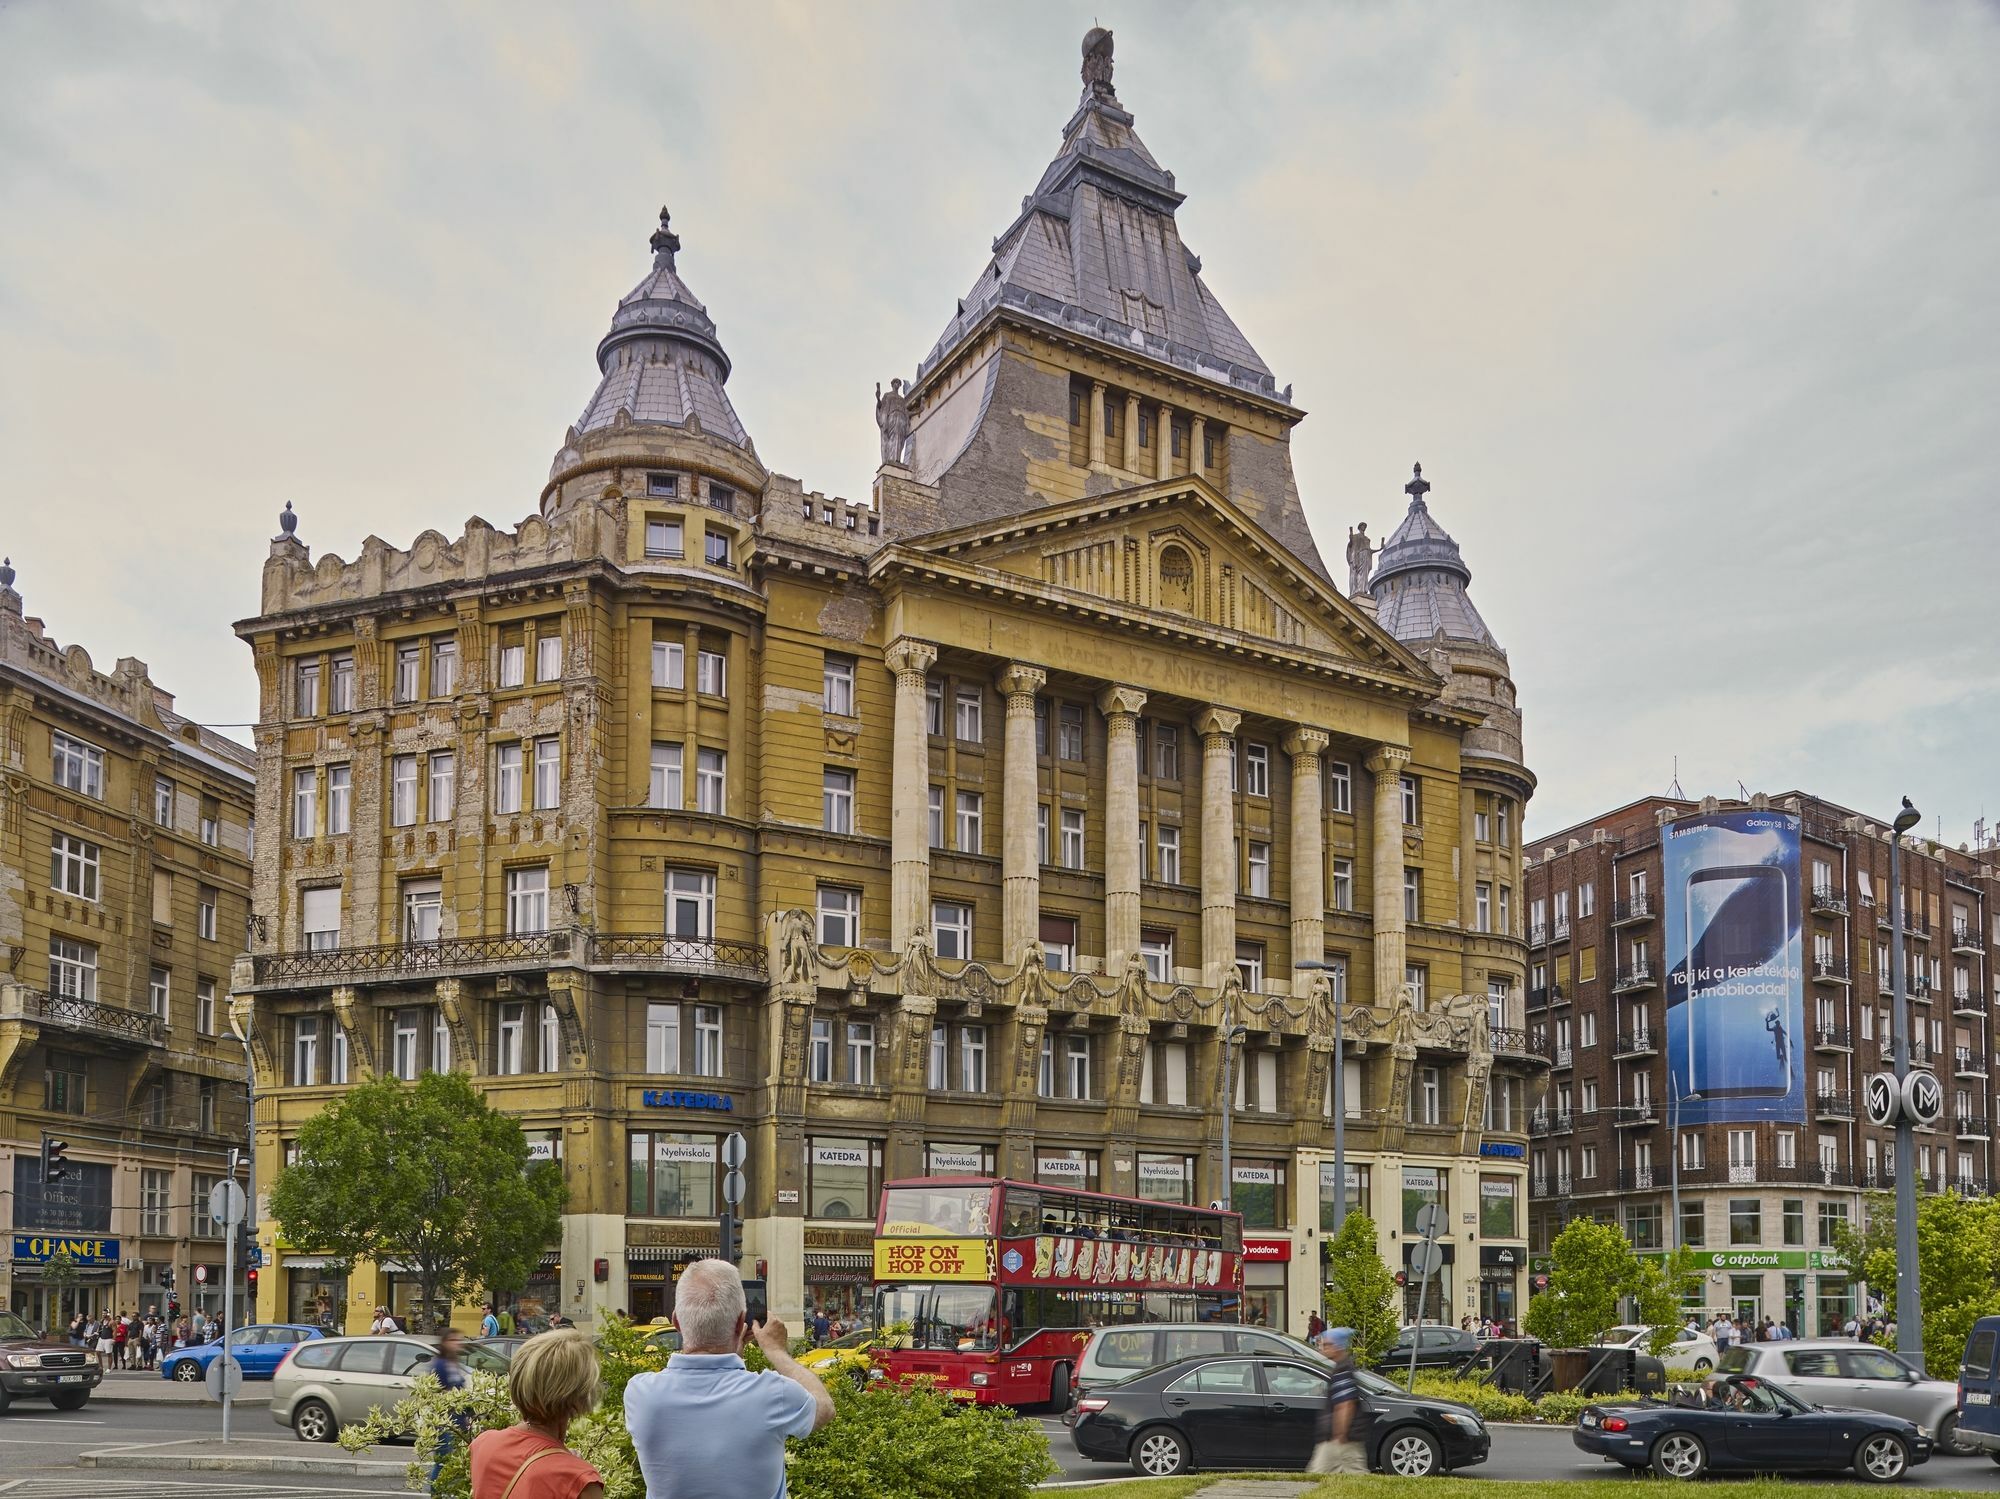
(152, 1459)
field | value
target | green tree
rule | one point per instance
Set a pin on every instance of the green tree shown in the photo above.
(424, 1173)
(1593, 1269)
(1360, 1291)
(1958, 1266)
(60, 1275)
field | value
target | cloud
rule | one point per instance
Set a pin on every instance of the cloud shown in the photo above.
(1686, 310)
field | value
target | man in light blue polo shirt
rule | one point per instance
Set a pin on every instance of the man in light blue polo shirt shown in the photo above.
(705, 1427)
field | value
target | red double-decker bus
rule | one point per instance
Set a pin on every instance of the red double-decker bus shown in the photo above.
(998, 1284)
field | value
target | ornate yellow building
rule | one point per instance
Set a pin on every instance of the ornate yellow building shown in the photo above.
(124, 884)
(949, 831)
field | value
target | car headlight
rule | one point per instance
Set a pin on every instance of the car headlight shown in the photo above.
(980, 1381)
(90, 1358)
(1469, 1424)
(24, 1361)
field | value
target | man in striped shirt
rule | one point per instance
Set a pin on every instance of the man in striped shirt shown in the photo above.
(1341, 1447)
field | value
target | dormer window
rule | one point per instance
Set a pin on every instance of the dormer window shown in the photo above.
(665, 486)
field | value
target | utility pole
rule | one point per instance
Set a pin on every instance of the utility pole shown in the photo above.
(1232, 1035)
(1909, 1298)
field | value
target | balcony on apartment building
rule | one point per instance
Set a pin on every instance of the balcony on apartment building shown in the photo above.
(85, 1019)
(1551, 1122)
(1973, 1127)
(1641, 1041)
(1833, 1105)
(1831, 971)
(1966, 940)
(1966, 1062)
(1638, 976)
(1832, 1038)
(1538, 934)
(1639, 1179)
(1766, 1173)
(465, 957)
(1638, 908)
(1512, 1042)
(1827, 901)
(1914, 924)
(1968, 1002)
(1632, 1115)
(1565, 1057)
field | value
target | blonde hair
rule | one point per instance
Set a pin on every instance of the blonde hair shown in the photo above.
(554, 1377)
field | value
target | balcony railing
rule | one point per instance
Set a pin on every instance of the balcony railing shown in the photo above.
(1974, 1127)
(1561, 929)
(618, 952)
(1833, 1038)
(1747, 1173)
(1635, 1044)
(1972, 1186)
(1834, 1105)
(1551, 1122)
(1965, 1062)
(1537, 998)
(1511, 1041)
(1914, 924)
(1564, 1056)
(1638, 908)
(1639, 976)
(1967, 1002)
(1632, 1115)
(1830, 970)
(84, 1017)
(1636, 1179)
(1538, 934)
(1966, 939)
(1827, 901)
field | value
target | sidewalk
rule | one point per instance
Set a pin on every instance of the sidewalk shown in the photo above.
(250, 1455)
(136, 1387)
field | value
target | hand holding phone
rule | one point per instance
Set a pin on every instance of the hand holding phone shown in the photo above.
(771, 1336)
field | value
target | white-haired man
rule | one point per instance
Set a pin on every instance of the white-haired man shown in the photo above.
(705, 1427)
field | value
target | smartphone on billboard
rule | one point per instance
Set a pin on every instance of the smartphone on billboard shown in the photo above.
(1739, 1043)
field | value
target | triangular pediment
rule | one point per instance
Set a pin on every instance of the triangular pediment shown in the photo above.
(1178, 549)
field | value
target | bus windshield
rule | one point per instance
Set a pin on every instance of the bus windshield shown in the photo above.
(945, 1209)
(953, 1317)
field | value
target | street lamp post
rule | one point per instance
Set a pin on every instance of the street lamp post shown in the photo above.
(1232, 1037)
(1314, 965)
(1909, 1302)
(1675, 1098)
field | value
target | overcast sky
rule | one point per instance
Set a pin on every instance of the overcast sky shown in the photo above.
(1688, 310)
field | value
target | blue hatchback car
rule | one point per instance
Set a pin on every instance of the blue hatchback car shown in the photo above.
(259, 1348)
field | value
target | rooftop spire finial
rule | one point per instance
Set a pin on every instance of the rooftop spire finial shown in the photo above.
(1097, 64)
(1418, 487)
(6, 572)
(665, 243)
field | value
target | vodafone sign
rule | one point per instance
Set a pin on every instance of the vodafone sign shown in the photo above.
(1266, 1251)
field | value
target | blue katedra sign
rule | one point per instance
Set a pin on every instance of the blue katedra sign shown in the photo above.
(1502, 1148)
(39, 1249)
(664, 1098)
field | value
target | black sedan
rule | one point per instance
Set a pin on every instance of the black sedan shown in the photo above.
(1747, 1424)
(1437, 1347)
(1228, 1412)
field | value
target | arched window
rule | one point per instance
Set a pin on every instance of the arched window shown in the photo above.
(1176, 580)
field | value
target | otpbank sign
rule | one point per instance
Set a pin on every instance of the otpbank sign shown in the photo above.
(39, 1249)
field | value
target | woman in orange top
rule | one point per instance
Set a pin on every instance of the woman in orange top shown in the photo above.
(553, 1380)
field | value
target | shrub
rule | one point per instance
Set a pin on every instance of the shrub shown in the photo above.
(916, 1443)
(1491, 1402)
(1561, 1407)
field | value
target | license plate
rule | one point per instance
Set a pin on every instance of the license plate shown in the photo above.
(1586, 1420)
(72, 1378)
(1978, 1397)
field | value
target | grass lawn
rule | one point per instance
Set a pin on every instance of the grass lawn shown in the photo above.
(1378, 1486)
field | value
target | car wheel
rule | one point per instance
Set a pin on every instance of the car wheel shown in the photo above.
(1680, 1454)
(187, 1371)
(1410, 1453)
(1702, 1366)
(1882, 1458)
(313, 1422)
(1159, 1452)
(70, 1400)
(1950, 1442)
(1059, 1388)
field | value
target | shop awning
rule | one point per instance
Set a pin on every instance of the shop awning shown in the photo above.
(834, 1261)
(660, 1254)
(306, 1262)
(552, 1260)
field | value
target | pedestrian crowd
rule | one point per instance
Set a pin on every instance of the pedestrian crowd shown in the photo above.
(135, 1340)
(1734, 1332)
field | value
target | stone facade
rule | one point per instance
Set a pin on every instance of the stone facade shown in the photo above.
(947, 830)
(124, 891)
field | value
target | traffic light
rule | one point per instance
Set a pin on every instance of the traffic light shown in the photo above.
(246, 1240)
(1402, 1277)
(250, 1282)
(731, 1239)
(55, 1159)
(167, 1278)
(173, 1304)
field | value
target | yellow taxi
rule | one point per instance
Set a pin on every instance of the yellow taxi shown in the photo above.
(850, 1355)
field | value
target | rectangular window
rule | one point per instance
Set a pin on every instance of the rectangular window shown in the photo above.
(971, 807)
(548, 773)
(1041, 832)
(444, 667)
(672, 1175)
(837, 685)
(1586, 899)
(155, 1194)
(711, 674)
(423, 910)
(1746, 1221)
(319, 917)
(711, 781)
(663, 1038)
(937, 1073)
(1166, 752)
(1482, 907)
(972, 1058)
(1156, 950)
(402, 790)
(305, 689)
(1168, 1061)
(861, 1053)
(708, 1040)
(1794, 1221)
(968, 715)
(951, 929)
(934, 811)
(1076, 1067)
(74, 866)
(405, 1060)
(836, 801)
(1260, 869)
(409, 661)
(716, 548)
(514, 665)
(509, 1054)
(528, 900)
(1167, 850)
(1058, 934)
(548, 658)
(305, 803)
(444, 785)
(843, 1177)
(663, 537)
(204, 912)
(1339, 786)
(664, 787)
(691, 903)
(819, 1050)
(669, 666)
(934, 709)
(663, 486)
(339, 799)
(159, 993)
(204, 1006)
(210, 830)
(1417, 978)
(1071, 849)
(163, 802)
(1502, 818)
(1343, 884)
(1250, 965)
(549, 1058)
(1412, 801)
(1413, 903)
(839, 916)
(1506, 919)
(1257, 769)
(1069, 736)
(506, 778)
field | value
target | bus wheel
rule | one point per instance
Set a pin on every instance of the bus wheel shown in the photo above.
(1059, 1389)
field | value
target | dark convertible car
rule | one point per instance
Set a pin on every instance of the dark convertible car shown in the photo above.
(1748, 1424)
(1227, 1411)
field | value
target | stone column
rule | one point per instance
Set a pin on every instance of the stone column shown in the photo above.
(1020, 856)
(1120, 707)
(1197, 429)
(1132, 433)
(1217, 728)
(1308, 852)
(909, 807)
(1097, 424)
(1163, 444)
(1386, 845)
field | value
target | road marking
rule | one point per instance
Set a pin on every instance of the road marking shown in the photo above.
(58, 1420)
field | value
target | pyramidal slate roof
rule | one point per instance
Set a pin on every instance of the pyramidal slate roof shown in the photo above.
(1420, 579)
(662, 360)
(1096, 250)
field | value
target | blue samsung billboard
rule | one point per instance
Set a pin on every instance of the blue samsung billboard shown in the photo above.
(1735, 968)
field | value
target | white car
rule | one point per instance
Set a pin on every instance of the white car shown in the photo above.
(1690, 1352)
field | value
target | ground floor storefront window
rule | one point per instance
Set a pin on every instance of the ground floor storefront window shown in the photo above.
(51, 1310)
(1499, 1270)
(1746, 1296)
(1264, 1295)
(316, 1297)
(406, 1302)
(539, 1299)
(1836, 1305)
(844, 1292)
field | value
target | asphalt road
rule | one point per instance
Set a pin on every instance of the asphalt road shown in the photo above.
(39, 1447)
(1532, 1452)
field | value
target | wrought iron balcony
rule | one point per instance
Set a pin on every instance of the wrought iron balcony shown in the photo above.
(1632, 1115)
(649, 952)
(1560, 930)
(1972, 1186)
(84, 1018)
(1538, 1186)
(1564, 1056)
(1965, 1062)
(1641, 1043)
(1831, 970)
(1967, 1002)
(1537, 998)
(454, 957)
(1966, 939)
(1827, 901)
(1510, 1041)
(1638, 908)
(1974, 1127)
(1914, 924)
(1638, 976)
(1538, 934)
(1832, 1038)
(1636, 1179)
(1834, 1106)
(1551, 1122)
